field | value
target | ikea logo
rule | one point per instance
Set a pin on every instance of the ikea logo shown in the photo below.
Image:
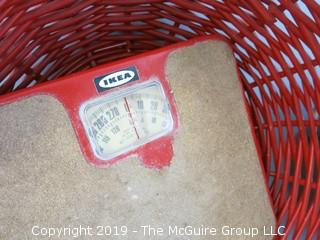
(116, 79)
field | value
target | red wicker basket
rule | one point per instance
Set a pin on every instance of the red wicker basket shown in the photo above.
(276, 44)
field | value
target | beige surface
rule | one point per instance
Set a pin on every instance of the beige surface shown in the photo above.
(214, 178)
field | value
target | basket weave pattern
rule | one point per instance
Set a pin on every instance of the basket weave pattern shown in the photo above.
(275, 42)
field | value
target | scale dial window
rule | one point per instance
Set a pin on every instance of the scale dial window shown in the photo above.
(122, 121)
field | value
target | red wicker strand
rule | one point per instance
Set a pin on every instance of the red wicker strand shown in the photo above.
(275, 42)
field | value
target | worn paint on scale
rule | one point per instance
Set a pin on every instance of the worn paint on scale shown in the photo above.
(118, 110)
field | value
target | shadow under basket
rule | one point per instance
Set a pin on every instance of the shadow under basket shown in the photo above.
(276, 45)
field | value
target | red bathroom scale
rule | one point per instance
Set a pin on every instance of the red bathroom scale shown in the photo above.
(119, 109)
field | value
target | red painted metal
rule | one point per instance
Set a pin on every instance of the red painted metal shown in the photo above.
(74, 90)
(276, 44)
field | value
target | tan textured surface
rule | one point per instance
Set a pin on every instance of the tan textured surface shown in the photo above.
(214, 178)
